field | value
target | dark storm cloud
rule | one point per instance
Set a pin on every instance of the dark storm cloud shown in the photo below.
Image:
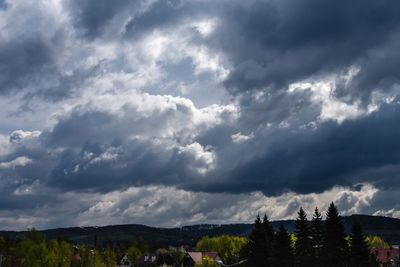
(30, 58)
(313, 160)
(3, 4)
(13, 202)
(111, 134)
(274, 43)
(135, 163)
(94, 15)
(101, 158)
(162, 14)
(271, 44)
(97, 152)
(24, 60)
(384, 199)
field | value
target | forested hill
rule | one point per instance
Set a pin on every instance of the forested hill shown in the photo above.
(387, 228)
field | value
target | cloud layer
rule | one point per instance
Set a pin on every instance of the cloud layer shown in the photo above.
(109, 105)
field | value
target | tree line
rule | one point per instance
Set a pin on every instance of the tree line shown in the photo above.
(314, 243)
(35, 250)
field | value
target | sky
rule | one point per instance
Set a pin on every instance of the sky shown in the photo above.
(178, 112)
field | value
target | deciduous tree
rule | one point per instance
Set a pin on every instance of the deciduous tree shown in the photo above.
(228, 247)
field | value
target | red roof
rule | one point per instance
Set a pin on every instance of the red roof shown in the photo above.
(211, 255)
(198, 256)
(385, 255)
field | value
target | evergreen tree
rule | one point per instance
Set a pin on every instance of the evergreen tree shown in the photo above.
(335, 249)
(282, 253)
(359, 250)
(269, 234)
(317, 235)
(304, 246)
(258, 249)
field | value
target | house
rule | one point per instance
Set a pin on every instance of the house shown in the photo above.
(193, 258)
(165, 260)
(387, 257)
(124, 262)
(147, 260)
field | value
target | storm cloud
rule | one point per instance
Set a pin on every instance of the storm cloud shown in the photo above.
(283, 103)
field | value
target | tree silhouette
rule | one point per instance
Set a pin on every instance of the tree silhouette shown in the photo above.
(335, 249)
(359, 250)
(317, 234)
(282, 253)
(269, 234)
(304, 246)
(258, 249)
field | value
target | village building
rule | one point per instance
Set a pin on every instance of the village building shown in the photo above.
(193, 258)
(124, 262)
(387, 257)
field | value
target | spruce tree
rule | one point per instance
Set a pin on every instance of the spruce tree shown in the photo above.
(359, 250)
(282, 253)
(269, 234)
(317, 235)
(335, 249)
(304, 246)
(258, 249)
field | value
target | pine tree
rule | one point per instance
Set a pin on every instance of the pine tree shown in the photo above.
(258, 249)
(304, 246)
(269, 234)
(335, 249)
(359, 250)
(254, 250)
(282, 253)
(317, 235)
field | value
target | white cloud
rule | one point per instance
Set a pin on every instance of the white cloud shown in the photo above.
(239, 138)
(17, 162)
(111, 154)
(175, 116)
(5, 145)
(32, 189)
(202, 159)
(388, 213)
(323, 94)
(19, 136)
(331, 107)
(168, 206)
(205, 27)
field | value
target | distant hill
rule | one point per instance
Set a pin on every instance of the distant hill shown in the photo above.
(122, 235)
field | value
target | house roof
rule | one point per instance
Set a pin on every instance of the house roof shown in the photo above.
(385, 255)
(147, 259)
(198, 256)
